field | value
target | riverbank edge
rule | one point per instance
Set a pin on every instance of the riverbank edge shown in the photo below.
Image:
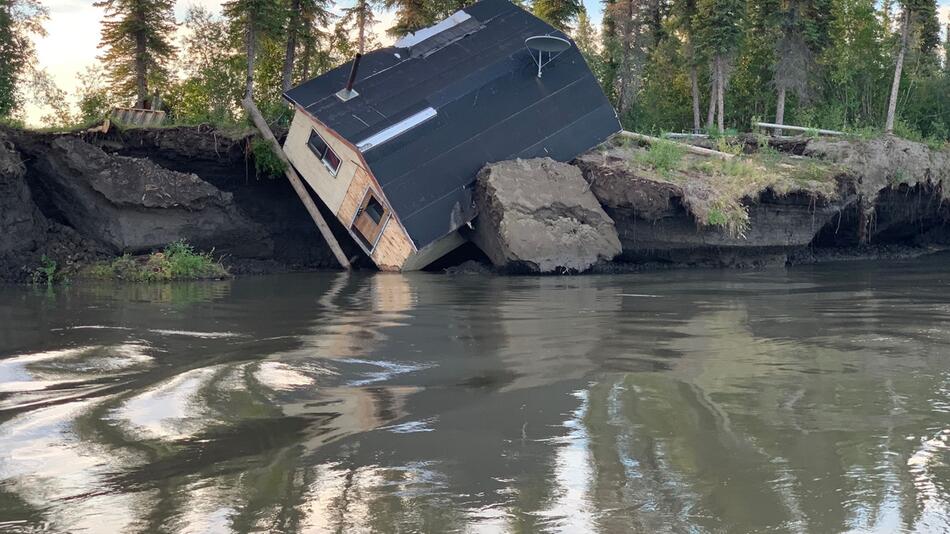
(222, 161)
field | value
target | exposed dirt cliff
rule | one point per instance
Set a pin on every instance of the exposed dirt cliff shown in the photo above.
(137, 190)
(881, 192)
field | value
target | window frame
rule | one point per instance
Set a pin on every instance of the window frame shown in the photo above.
(326, 150)
(381, 211)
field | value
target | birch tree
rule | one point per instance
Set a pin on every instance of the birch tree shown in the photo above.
(20, 21)
(684, 13)
(253, 19)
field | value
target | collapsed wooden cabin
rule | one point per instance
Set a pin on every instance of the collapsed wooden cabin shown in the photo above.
(392, 142)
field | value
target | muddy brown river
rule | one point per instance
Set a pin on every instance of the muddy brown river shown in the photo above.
(803, 400)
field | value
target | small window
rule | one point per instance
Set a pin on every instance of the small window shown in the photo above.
(323, 151)
(374, 210)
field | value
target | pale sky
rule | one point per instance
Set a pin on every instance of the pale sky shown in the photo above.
(73, 36)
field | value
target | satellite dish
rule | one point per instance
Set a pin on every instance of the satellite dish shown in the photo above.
(551, 45)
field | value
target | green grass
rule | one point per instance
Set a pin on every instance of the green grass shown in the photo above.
(46, 273)
(663, 156)
(716, 191)
(936, 141)
(179, 261)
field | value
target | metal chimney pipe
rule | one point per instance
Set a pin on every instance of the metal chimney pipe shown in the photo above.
(353, 70)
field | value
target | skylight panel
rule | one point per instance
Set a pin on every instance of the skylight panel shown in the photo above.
(396, 130)
(413, 39)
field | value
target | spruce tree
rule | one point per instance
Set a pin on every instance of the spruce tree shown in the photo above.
(803, 27)
(411, 16)
(304, 18)
(557, 13)
(137, 37)
(360, 19)
(627, 37)
(927, 33)
(585, 38)
(720, 30)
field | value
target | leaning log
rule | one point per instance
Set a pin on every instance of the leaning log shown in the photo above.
(689, 148)
(295, 181)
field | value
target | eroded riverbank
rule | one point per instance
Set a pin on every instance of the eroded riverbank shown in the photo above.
(78, 199)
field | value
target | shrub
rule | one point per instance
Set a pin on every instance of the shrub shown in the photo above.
(45, 273)
(179, 261)
(266, 161)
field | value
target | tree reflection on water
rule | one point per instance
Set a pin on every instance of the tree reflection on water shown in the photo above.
(810, 400)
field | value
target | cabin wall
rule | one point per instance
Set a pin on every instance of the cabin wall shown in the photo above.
(331, 189)
(394, 246)
(344, 193)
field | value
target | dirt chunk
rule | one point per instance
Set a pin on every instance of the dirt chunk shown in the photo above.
(539, 215)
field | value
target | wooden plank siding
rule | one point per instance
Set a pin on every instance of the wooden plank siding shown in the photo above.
(328, 187)
(394, 246)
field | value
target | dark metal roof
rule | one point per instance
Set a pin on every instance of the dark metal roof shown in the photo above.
(490, 105)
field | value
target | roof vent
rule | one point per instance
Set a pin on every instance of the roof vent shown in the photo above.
(347, 92)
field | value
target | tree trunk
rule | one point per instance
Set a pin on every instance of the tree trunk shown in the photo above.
(251, 42)
(141, 70)
(694, 82)
(896, 84)
(780, 110)
(720, 92)
(287, 75)
(307, 59)
(711, 114)
(361, 26)
(268, 135)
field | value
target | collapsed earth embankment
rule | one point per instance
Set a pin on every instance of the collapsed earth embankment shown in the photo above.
(77, 198)
(773, 206)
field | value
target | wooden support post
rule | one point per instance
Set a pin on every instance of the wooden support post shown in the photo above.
(296, 182)
(689, 148)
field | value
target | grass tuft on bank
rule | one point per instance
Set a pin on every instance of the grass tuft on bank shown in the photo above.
(715, 190)
(178, 261)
